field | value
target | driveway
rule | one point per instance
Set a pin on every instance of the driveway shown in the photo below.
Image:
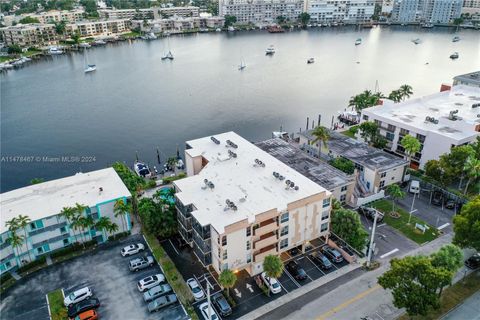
(105, 271)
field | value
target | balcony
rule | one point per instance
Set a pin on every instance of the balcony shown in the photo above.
(260, 255)
(266, 226)
(265, 240)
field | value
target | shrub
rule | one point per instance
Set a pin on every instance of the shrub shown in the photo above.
(35, 263)
(120, 235)
(170, 179)
(5, 277)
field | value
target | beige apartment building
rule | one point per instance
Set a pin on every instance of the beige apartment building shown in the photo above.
(99, 28)
(29, 35)
(70, 16)
(178, 24)
(240, 204)
(149, 13)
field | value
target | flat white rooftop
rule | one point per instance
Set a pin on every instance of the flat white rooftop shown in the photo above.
(413, 112)
(48, 198)
(252, 188)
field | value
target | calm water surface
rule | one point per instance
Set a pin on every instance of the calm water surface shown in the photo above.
(137, 102)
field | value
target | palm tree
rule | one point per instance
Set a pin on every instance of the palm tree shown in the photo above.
(227, 279)
(23, 222)
(321, 135)
(103, 223)
(16, 241)
(12, 224)
(112, 228)
(69, 214)
(85, 222)
(396, 193)
(472, 169)
(120, 210)
(406, 91)
(395, 96)
(411, 146)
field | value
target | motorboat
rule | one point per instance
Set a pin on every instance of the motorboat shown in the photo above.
(454, 55)
(90, 68)
(218, 30)
(270, 50)
(456, 39)
(416, 41)
(141, 169)
(99, 42)
(358, 41)
(311, 60)
(84, 45)
(55, 50)
(427, 25)
(169, 56)
(231, 29)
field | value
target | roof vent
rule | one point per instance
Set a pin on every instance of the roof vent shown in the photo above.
(259, 163)
(230, 205)
(100, 189)
(475, 105)
(215, 140)
(231, 144)
(453, 115)
(431, 119)
(290, 185)
(232, 154)
(208, 184)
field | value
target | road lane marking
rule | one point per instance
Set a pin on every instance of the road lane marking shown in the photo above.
(389, 253)
(381, 225)
(348, 302)
(443, 226)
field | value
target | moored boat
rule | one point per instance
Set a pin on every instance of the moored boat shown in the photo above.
(456, 39)
(454, 55)
(141, 169)
(416, 41)
(270, 50)
(358, 41)
(311, 60)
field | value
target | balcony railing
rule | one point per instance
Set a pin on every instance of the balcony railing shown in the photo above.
(265, 240)
(262, 253)
(266, 226)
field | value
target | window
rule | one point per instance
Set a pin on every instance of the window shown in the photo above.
(249, 232)
(36, 225)
(284, 231)
(421, 137)
(248, 245)
(390, 136)
(382, 184)
(283, 243)
(66, 242)
(344, 188)
(391, 128)
(225, 266)
(404, 132)
(378, 122)
(40, 250)
(224, 255)
(63, 230)
(343, 197)
(324, 227)
(33, 226)
(383, 175)
(326, 213)
(365, 117)
(249, 258)
(224, 241)
(219, 252)
(326, 202)
(284, 217)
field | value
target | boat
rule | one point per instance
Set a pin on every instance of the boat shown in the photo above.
(456, 39)
(168, 56)
(55, 50)
(427, 25)
(218, 30)
(88, 67)
(150, 36)
(311, 60)
(416, 41)
(270, 50)
(454, 55)
(84, 45)
(242, 65)
(99, 42)
(358, 41)
(275, 29)
(231, 29)
(141, 169)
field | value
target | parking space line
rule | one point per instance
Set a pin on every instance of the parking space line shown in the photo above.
(291, 278)
(443, 226)
(379, 315)
(381, 225)
(282, 286)
(388, 253)
(199, 283)
(316, 265)
(171, 243)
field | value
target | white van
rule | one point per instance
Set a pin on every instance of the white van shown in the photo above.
(414, 187)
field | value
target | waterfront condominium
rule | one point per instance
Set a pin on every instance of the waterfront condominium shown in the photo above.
(439, 121)
(431, 11)
(48, 230)
(240, 204)
(26, 35)
(340, 11)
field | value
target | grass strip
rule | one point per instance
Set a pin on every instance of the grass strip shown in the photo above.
(401, 223)
(57, 309)
(173, 276)
(451, 297)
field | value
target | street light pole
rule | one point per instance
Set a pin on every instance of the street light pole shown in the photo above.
(370, 247)
(411, 209)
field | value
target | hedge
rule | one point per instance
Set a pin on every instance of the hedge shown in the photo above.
(35, 263)
(120, 235)
(71, 248)
(170, 179)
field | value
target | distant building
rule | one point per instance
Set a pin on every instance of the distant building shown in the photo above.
(471, 6)
(470, 79)
(344, 11)
(53, 16)
(150, 13)
(439, 121)
(29, 35)
(429, 11)
(42, 203)
(261, 12)
(407, 11)
(168, 12)
(99, 28)
(177, 24)
(387, 6)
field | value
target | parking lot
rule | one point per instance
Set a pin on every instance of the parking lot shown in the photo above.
(246, 293)
(105, 271)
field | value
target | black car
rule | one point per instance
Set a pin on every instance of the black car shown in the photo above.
(437, 198)
(221, 304)
(87, 304)
(450, 204)
(321, 260)
(370, 213)
(473, 262)
(296, 271)
(332, 254)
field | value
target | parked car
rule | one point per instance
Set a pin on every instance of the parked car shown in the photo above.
(271, 283)
(294, 251)
(437, 198)
(197, 291)
(204, 310)
(221, 304)
(414, 187)
(162, 302)
(296, 271)
(77, 296)
(132, 249)
(156, 292)
(140, 263)
(82, 306)
(473, 262)
(150, 282)
(87, 315)
(320, 259)
(450, 204)
(332, 254)
(369, 213)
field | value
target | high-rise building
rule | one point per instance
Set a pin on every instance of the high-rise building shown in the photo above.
(345, 11)
(430, 11)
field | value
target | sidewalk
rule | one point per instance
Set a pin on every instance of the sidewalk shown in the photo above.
(469, 309)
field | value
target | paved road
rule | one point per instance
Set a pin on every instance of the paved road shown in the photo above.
(469, 309)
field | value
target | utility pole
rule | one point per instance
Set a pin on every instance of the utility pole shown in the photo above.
(370, 247)
(411, 209)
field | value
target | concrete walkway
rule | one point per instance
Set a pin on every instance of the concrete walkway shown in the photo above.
(469, 309)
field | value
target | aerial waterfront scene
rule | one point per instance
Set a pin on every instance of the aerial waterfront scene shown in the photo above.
(230, 159)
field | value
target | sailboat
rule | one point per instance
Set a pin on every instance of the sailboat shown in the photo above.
(416, 41)
(88, 67)
(242, 65)
(358, 41)
(168, 55)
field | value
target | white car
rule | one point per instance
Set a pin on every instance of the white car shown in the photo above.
(271, 283)
(197, 291)
(132, 249)
(150, 282)
(204, 310)
(77, 296)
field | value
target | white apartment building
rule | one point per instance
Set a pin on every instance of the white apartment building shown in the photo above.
(469, 79)
(240, 204)
(261, 12)
(178, 24)
(431, 11)
(471, 6)
(439, 121)
(346, 11)
(387, 6)
(184, 12)
(115, 14)
(29, 35)
(42, 203)
(407, 11)
(99, 28)
(52, 16)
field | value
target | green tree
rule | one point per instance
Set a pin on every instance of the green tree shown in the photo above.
(227, 279)
(14, 49)
(395, 193)
(12, 224)
(368, 131)
(121, 209)
(467, 225)
(281, 19)
(414, 283)
(230, 20)
(273, 266)
(406, 91)
(28, 19)
(320, 136)
(103, 223)
(304, 18)
(411, 146)
(364, 100)
(90, 7)
(158, 219)
(449, 257)
(112, 228)
(68, 213)
(343, 164)
(23, 222)
(36, 180)
(395, 96)
(472, 170)
(347, 225)
(60, 27)
(76, 38)
(452, 163)
(16, 241)
(435, 171)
